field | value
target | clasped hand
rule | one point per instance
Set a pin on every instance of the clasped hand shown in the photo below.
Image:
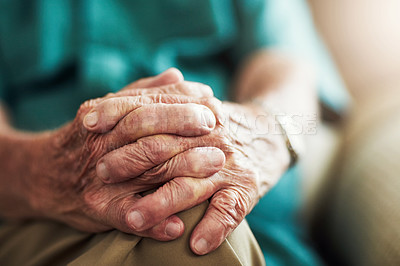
(167, 134)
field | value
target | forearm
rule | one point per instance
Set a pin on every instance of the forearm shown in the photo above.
(18, 163)
(282, 83)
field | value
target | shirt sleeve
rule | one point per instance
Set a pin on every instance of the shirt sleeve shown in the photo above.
(287, 25)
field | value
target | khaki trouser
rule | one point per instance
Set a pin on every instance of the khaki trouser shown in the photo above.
(49, 243)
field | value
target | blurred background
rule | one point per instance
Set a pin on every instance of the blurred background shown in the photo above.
(354, 192)
(364, 37)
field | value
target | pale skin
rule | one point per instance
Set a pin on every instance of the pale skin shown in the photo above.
(161, 132)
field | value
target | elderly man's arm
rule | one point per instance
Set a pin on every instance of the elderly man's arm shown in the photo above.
(53, 174)
(281, 82)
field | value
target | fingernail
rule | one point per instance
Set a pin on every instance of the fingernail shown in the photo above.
(208, 118)
(102, 172)
(213, 156)
(135, 219)
(173, 229)
(91, 119)
(201, 246)
(217, 158)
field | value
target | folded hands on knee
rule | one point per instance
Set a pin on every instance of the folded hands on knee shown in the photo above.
(166, 134)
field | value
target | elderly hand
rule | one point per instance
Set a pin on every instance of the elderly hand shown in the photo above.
(256, 156)
(64, 184)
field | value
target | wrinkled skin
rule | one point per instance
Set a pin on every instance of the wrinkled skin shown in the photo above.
(65, 186)
(256, 156)
(91, 174)
(164, 136)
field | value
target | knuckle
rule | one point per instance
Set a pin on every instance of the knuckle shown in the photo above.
(120, 211)
(124, 131)
(125, 163)
(220, 140)
(207, 90)
(166, 96)
(195, 89)
(161, 147)
(232, 207)
(157, 174)
(212, 102)
(150, 99)
(133, 159)
(116, 210)
(86, 106)
(128, 91)
(147, 144)
(94, 200)
(176, 88)
(150, 149)
(110, 95)
(94, 146)
(184, 87)
(171, 98)
(107, 146)
(121, 166)
(225, 143)
(173, 191)
(140, 92)
(123, 126)
(111, 108)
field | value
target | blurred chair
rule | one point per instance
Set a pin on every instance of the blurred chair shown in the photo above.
(358, 216)
(353, 175)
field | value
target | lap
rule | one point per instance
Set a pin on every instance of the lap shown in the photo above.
(49, 243)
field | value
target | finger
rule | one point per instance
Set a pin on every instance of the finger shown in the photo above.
(147, 86)
(132, 162)
(227, 209)
(168, 229)
(117, 217)
(177, 195)
(198, 162)
(105, 115)
(188, 88)
(169, 76)
(144, 154)
(178, 119)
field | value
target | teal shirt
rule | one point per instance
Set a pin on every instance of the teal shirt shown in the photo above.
(54, 54)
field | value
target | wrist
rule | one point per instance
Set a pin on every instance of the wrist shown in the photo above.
(259, 137)
(19, 159)
(50, 171)
(287, 127)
